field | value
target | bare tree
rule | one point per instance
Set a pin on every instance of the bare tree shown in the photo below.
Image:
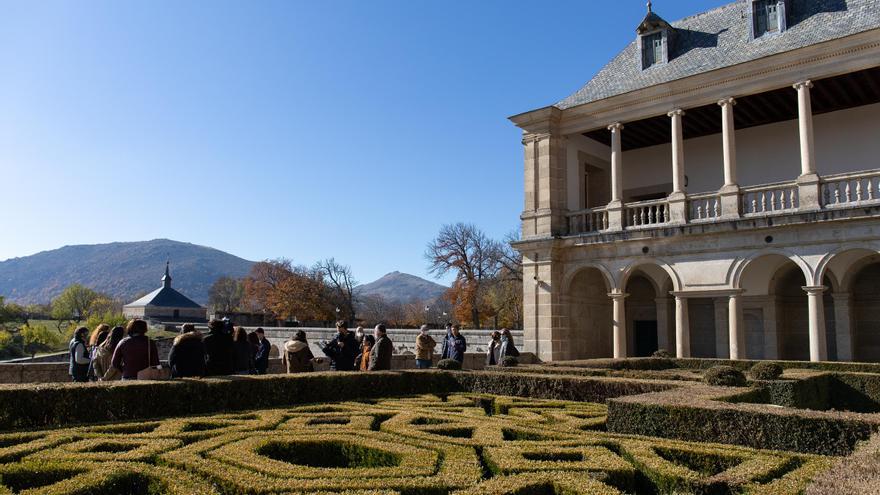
(226, 294)
(474, 258)
(341, 283)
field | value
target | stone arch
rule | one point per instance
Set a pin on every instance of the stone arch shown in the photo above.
(649, 307)
(841, 264)
(650, 266)
(860, 306)
(589, 313)
(753, 274)
(571, 273)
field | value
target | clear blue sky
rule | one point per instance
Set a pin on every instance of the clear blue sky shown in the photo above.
(305, 130)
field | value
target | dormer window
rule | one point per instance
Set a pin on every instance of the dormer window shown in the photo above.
(652, 49)
(768, 17)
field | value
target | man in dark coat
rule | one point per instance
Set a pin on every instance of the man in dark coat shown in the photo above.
(444, 348)
(380, 354)
(78, 368)
(219, 350)
(342, 350)
(456, 345)
(187, 357)
(261, 358)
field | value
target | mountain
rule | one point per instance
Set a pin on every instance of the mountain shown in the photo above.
(402, 287)
(123, 270)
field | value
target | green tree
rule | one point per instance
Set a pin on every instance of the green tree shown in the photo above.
(226, 294)
(38, 338)
(74, 303)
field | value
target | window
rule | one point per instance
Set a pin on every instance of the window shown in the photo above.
(765, 16)
(652, 49)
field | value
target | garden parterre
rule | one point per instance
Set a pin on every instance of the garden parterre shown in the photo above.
(461, 443)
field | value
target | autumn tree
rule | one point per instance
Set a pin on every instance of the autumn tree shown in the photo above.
(226, 294)
(341, 284)
(286, 291)
(465, 251)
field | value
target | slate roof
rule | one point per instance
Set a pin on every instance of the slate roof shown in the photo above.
(720, 38)
(165, 297)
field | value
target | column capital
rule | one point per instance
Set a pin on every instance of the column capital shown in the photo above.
(727, 101)
(618, 295)
(814, 289)
(803, 84)
(535, 137)
(617, 126)
(841, 296)
(675, 113)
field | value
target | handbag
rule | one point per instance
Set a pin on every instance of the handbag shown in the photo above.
(152, 372)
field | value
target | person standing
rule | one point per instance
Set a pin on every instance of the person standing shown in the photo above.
(362, 361)
(380, 354)
(456, 344)
(444, 348)
(244, 352)
(99, 336)
(297, 357)
(135, 352)
(425, 345)
(261, 358)
(79, 355)
(187, 357)
(342, 349)
(101, 364)
(219, 350)
(507, 346)
(493, 354)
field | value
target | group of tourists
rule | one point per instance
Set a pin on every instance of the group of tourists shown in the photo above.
(126, 352)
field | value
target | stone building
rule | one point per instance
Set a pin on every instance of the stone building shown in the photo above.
(714, 190)
(166, 304)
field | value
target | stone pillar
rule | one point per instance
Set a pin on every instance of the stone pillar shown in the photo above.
(737, 337)
(843, 325)
(682, 328)
(816, 307)
(808, 182)
(730, 204)
(662, 304)
(618, 323)
(615, 207)
(678, 199)
(722, 348)
(545, 311)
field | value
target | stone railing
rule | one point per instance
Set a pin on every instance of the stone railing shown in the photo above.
(588, 221)
(704, 206)
(649, 213)
(850, 189)
(769, 199)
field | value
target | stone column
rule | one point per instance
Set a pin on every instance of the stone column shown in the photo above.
(843, 325)
(730, 204)
(618, 323)
(677, 200)
(615, 207)
(662, 304)
(722, 347)
(808, 182)
(737, 338)
(545, 310)
(816, 307)
(682, 328)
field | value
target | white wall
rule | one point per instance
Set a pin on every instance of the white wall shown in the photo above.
(845, 141)
(600, 156)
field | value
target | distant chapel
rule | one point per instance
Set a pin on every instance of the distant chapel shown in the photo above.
(166, 304)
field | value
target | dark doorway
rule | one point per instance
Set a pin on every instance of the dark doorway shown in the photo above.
(177, 313)
(646, 337)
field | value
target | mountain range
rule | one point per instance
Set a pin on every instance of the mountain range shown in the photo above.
(127, 270)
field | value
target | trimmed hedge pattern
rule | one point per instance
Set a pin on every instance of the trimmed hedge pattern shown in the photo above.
(459, 444)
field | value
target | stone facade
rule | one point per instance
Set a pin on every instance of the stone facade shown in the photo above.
(777, 270)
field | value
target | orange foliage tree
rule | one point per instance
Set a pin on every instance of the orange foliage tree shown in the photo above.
(286, 291)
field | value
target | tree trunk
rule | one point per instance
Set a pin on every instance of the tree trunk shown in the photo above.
(475, 317)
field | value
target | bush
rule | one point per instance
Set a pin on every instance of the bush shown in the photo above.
(766, 370)
(509, 362)
(661, 353)
(449, 364)
(724, 376)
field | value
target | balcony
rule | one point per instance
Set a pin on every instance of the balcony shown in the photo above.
(836, 193)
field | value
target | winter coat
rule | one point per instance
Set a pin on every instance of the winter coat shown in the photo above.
(130, 356)
(78, 367)
(507, 349)
(456, 347)
(101, 363)
(342, 356)
(297, 357)
(244, 356)
(380, 355)
(187, 357)
(219, 354)
(425, 345)
(444, 348)
(362, 361)
(493, 355)
(261, 358)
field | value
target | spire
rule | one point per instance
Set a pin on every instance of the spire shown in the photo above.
(649, 6)
(166, 280)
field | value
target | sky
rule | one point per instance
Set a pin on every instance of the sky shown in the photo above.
(305, 130)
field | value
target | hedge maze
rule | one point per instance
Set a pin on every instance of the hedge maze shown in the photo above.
(429, 444)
